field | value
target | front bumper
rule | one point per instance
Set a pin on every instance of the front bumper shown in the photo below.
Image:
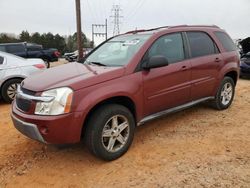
(28, 129)
(61, 129)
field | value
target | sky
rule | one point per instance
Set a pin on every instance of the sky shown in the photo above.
(58, 16)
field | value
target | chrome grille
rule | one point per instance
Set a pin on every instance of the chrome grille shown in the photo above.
(24, 104)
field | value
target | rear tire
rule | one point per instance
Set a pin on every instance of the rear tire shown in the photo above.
(225, 94)
(110, 131)
(47, 63)
(9, 89)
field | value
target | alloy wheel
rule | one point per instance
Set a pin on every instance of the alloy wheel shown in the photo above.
(115, 133)
(226, 93)
(11, 91)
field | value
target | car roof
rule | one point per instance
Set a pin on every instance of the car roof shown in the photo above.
(16, 43)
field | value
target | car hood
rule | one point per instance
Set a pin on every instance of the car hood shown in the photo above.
(73, 75)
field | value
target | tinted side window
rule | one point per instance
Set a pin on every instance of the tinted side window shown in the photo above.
(201, 44)
(2, 48)
(15, 48)
(1, 60)
(169, 46)
(226, 41)
(34, 48)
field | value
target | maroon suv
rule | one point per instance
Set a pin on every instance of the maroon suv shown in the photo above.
(126, 81)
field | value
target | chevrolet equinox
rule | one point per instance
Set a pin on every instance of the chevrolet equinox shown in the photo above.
(126, 81)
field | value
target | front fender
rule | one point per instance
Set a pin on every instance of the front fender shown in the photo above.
(89, 97)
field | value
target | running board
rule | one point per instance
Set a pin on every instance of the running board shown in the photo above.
(172, 110)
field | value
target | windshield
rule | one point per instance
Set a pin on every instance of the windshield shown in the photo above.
(118, 51)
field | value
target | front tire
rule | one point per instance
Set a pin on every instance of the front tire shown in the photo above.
(225, 94)
(110, 131)
(9, 89)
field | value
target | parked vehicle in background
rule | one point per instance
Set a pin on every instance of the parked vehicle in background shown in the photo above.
(73, 56)
(245, 65)
(30, 50)
(126, 81)
(13, 70)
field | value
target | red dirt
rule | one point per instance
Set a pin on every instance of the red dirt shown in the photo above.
(198, 147)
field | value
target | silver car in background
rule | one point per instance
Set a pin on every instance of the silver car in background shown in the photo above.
(13, 70)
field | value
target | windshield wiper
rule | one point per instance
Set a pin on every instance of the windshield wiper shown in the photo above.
(97, 63)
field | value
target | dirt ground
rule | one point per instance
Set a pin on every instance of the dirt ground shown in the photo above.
(198, 147)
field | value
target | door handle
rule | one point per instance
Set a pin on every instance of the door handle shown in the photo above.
(184, 68)
(217, 59)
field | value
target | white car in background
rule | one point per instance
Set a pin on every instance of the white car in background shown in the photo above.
(13, 70)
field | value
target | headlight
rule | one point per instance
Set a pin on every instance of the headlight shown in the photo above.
(61, 103)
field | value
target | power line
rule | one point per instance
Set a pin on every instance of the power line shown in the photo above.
(116, 19)
(137, 7)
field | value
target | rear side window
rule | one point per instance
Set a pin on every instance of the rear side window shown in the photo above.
(1, 60)
(34, 48)
(15, 48)
(169, 46)
(201, 44)
(226, 41)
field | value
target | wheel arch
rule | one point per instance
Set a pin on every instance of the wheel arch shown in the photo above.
(8, 79)
(232, 74)
(121, 100)
(45, 57)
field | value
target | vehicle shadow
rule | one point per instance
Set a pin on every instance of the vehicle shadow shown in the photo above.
(245, 78)
(2, 103)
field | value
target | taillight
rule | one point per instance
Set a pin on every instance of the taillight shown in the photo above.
(40, 66)
(57, 54)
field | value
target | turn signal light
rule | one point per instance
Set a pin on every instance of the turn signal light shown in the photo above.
(40, 66)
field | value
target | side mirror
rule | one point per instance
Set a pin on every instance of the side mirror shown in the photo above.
(155, 62)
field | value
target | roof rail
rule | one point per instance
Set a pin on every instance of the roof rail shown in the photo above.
(177, 26)
(135, 31)
(145, 30)
(212, 26)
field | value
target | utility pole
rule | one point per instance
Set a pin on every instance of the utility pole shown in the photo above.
(116, 16)
(79, 30)
(100, 34)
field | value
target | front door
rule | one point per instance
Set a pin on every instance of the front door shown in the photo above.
(167, 86)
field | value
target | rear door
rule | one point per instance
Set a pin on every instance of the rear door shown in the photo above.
(206, 62)
(34, 51)
(168, 86)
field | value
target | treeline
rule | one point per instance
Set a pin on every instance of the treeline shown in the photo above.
(48, 40)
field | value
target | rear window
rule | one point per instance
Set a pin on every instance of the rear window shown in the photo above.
(1, 60)
(226, 41)
(15, 48)
(201, 44)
